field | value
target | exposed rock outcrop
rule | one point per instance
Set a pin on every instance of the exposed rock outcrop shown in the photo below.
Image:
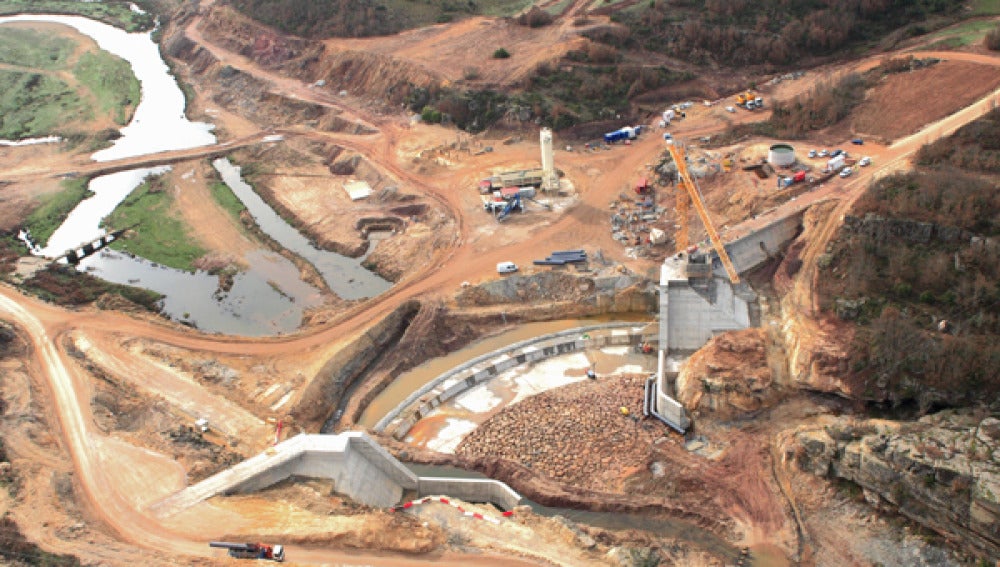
(728, 376)
(942, 471)
(880, 228)
(611, 294)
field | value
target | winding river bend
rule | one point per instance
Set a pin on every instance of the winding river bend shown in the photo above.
(267, 298)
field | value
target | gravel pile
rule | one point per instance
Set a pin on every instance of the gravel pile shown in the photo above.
(576, 434)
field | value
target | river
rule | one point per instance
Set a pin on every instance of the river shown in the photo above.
(269, 297)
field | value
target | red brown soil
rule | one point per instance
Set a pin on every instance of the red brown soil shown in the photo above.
(905, 102)
(115, 479)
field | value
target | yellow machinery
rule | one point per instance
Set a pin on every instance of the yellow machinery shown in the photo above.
(745, 97)
(687, 193)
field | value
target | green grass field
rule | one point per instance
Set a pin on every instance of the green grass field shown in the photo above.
(33, 105)
(117, 14)
(985, 7)
(225, 197)
(54, 209)
(111, 81)
(558, 8)
(160, 236)
(30, 49)
(960, 35)
(35, 101)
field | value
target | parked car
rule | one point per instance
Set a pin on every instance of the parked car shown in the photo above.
(837, 152)
(857, 142)
(846, 172)
(812, 153)
(865, 161)
(823, 153)
(506, 268)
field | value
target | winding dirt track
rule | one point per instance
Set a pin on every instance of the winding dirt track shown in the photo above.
(98, 460)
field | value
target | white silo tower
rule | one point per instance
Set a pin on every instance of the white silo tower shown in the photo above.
(550, 181)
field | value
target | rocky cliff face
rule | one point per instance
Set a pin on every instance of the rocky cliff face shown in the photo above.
(942, 471)
(816, 345)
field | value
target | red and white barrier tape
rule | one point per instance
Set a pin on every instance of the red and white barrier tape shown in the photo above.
(444, 500)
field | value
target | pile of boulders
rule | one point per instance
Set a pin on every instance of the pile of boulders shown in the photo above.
(590, 434)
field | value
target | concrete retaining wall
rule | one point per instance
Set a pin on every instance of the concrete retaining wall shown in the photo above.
(754, 249)
(480, 369)
(471, 490)
(693, 318)
(359, 467)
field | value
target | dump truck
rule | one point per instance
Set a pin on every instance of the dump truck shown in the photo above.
(252, 550)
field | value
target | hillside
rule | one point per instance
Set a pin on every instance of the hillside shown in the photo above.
(733, 33)
(916, 266)
(645, 54)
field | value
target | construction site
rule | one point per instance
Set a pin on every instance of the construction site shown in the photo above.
(393, 342)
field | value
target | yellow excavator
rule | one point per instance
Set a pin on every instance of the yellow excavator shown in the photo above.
(687, 193)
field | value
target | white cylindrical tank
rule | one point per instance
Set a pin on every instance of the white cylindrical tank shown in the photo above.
(781, 155)
(545, 139)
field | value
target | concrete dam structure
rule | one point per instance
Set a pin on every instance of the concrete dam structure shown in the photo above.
(359, 467)
(697, 302)
(752, 250)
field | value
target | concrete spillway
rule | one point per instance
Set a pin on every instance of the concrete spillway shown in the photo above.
(486, 367)
(359, 467)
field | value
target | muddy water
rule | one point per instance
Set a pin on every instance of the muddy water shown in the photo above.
(665, 527)
(343, 275)
(268, 298)
(409, 382)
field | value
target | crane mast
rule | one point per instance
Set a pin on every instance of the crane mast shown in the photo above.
(691, 194)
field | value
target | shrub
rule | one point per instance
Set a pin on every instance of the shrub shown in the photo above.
(501, 53)
(431, 115)
(992, 40)
(535, 18)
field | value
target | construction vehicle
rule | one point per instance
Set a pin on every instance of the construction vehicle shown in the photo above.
(749, 100)
(252, 550)
(687, 193)
(512, 205)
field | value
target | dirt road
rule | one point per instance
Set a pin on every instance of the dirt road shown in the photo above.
(112, 474)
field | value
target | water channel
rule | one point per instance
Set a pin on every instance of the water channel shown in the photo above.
(412, 380)
(267, 298)
(662, 526)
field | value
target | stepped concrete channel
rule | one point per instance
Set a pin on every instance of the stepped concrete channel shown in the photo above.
(490, 365)
(359, 467)
(364, 471)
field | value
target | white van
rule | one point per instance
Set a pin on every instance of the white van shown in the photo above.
(506, 268)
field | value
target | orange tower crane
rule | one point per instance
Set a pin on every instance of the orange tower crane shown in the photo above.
(687, 193)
